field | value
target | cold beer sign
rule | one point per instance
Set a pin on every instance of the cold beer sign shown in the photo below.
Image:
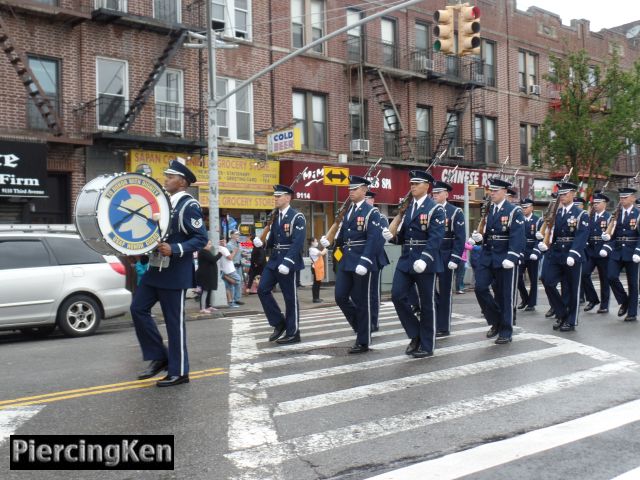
(284, 141)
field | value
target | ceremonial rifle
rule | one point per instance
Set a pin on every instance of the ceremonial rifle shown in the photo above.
(614, 218)
(484, 210)
(550, 219)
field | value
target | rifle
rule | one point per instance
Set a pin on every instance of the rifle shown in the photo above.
(274, 212)
(484, 210)
(404, 203)
(342, 211)
(550, 219)
(614, 218)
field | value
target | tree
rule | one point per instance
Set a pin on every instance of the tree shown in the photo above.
(595, 117)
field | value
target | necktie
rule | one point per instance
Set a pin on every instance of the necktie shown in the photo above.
(353, 207)
(624, 215)
(280, 218)
(413, 210)
(495, 210)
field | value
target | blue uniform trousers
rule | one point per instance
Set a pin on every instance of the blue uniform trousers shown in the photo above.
(172, 304)
(602, 265)
(271, 308)
(443, 300)
(499, 310)
(566, 305)
(352, 296)
(403, 284)
(374, 293)
(529, 297)
(631, 300)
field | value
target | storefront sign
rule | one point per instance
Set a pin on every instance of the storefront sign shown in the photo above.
(284, 141)
(246, 202)
(523, 183)
(23, 169)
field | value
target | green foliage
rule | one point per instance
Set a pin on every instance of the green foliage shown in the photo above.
(596, 115)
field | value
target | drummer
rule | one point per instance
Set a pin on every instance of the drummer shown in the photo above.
(171, 272)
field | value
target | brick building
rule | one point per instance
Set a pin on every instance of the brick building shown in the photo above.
(114, 77)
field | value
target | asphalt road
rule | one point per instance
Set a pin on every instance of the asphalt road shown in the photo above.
(311, 410)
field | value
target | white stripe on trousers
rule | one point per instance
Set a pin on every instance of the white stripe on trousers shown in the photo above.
(182, 332)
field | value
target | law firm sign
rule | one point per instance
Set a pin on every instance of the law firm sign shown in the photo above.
(23, 169)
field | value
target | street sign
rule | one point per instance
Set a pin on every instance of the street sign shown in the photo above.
(336, 176)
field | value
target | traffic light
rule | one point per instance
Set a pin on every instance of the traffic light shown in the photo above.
(469, 30)
(444, 31)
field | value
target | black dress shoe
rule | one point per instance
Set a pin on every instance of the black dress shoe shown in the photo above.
(603, 310)
(443, 333)
(317, 300)
(503, 340)
(277, 332)
(550, 313)
(566, 327)
(622, 310)
(154, 368)
(413, 346)
(522, 305)
(493, 331)
(530, 309)
(420, 353)
(590, 306)
(289, 339)
(558, 324)
(171, 380)
(357, 348)
(630, 318)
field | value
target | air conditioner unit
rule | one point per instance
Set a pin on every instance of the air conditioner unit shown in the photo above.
(359, 145)
(423, 64)
(170, 125)
(534, 89)
(456, 152)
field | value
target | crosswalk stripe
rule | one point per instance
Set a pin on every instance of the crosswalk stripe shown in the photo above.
(275, 453)
(305, 327)
(12, 418)
(493, 454)
(243, 368)
(380, 388)
(308, 320)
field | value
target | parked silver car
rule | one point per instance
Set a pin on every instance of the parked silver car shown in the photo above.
(49, 278)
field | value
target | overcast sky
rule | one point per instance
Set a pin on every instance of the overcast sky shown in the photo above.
(601, 14)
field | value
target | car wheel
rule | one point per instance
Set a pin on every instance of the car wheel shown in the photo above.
(79, 316)
(39, 332)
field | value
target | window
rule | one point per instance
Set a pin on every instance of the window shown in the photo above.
(53, 3)
(527, 134)
(453, 61)
(303, 27)
(112, 92)
(73, 251)
(391, 133)
(423, 130)
(485, 139)
(488, 53)
(233, 17)
(118, 5)
(452, 130)
(388, 36)
(169, 103)
(422, 39)
(23, 254)
(355, 51)
(592, 78)
(167, 10)
(527, 70)
(235, 114)
(358, 119)
(46, 71)
(310, 115)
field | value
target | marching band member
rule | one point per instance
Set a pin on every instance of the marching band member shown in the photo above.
(597, 226)
(376, 276)
(532, 255)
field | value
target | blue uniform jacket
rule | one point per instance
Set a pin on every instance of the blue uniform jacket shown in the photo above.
(454, 236)
(624, 241)
(596, 229)
(421, 236)
(531, 226)
(504, 237)
(286, 240)
(360, 238)
(185, 237)
(570, 234)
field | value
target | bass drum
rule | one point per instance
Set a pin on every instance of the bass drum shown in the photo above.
(123, 214)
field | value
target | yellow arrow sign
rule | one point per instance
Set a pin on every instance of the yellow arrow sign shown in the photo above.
(336, 176)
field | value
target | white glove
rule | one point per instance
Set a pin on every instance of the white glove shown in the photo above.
(571, 262)
(386, 233)
(477, 237)
(283, 269)
(539, 236)
(606, 237)
(542, 247)
(533, 257)
(508, 264)
(419, 266)
(636, 258)
(324, 242)
(471, 241)
(360, 270)
(603, 253)
(257, 242)
(452, 265)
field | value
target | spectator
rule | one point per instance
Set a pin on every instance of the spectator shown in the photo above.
(258, 259)
(317, 268)
(462, 268)
(142, 265)
(207, 277)
(230, 277)
(233, 245)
